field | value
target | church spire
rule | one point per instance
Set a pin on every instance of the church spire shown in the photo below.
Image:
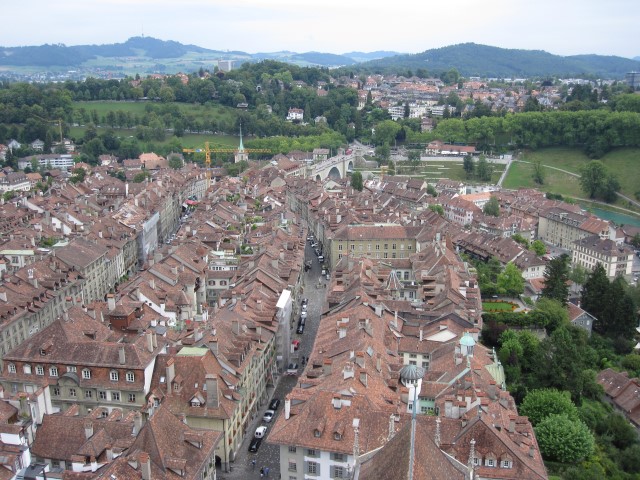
(241, 147)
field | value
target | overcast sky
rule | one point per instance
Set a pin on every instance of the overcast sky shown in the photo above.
(561, 27)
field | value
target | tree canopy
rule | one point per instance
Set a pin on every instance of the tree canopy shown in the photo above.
(563, 439)
(556, 277)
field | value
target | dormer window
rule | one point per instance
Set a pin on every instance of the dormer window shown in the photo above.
(86, 373)
(506, 463)
(337, 436)
(317, 433)
(39, 370)
(12, 368)
(131, 377)
(113, 375)
(195, 403)
(490, 460)
(27, 369)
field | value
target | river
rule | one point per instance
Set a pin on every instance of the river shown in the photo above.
(615, 217)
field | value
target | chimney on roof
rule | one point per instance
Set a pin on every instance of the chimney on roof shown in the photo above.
(287, 408)
(326, 366)
(145, 466)
(170, 374)
(512, 423)
(137, 423)
(336, 402)
(235, 327)
(88, 429)
(213, 396)
(363, 378)
(213, 346)
(121, 355)
(360, 359)
(111, 301)
(149, 337)
(152, 283)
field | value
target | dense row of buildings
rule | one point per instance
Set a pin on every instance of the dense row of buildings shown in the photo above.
(164, 308)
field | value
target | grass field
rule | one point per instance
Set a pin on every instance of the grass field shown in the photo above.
(434, 170)
(501, 306)
(623, 162)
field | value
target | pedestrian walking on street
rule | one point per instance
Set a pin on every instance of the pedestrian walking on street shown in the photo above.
(266, 471)
(262, 472)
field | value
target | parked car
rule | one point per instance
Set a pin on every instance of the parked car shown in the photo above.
(321, 258)
(275, 403)
(260, 431)
(296, 344)
(314, 245)
(255, 444)
(268, 416)
(305, 301)
(292, 369)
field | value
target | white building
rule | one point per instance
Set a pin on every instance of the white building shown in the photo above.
(617, 259)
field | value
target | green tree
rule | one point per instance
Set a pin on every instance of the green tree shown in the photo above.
(510, 281)
(468, 165)
(437, 208)
(484, 169)
(597, 182)
(565, 440)
(78, 176)
(538, 247)
(551, 312)
(383, 152)
(492, 207)
(175, 162)
(578, 275)
(356, 181)
(140, 177)
(631, 363)
(538, 172)
(516, 237)
(431, 190)
(556, 276)
(539, 404)
(594, 291)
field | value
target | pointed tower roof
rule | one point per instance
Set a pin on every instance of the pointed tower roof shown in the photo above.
(241, 147)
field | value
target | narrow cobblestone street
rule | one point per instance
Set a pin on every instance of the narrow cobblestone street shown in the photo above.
(268, 455)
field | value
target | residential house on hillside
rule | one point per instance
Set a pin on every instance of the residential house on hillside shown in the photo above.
(622, 392)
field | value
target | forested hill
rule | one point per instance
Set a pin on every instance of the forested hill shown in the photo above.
(62, 55)
(471, 59)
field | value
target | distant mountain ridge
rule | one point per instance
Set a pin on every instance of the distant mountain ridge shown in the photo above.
(469, 59)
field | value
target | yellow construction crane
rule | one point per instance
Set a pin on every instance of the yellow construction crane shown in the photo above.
(241, 152)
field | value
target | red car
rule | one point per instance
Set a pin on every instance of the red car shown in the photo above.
(296, 344)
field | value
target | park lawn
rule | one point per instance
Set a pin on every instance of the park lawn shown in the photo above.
(434, 170)
(191, 140)
(520, 175)
(503, 306)
(623, 162)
